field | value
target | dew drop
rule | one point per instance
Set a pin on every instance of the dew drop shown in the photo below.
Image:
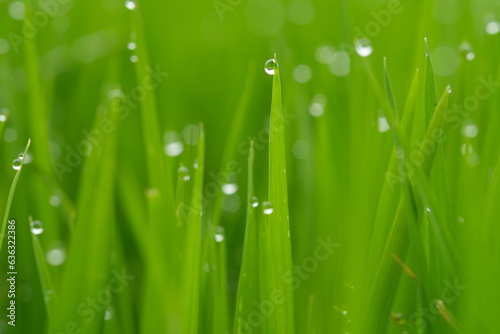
(134, 58)
(130, 5)
(270, 66)
(302, 73)
(184, 173)
(109, 313)
(470, 130)
(267, 207)
(466, 51)
(383, 125)
(493, 27)
(316, 109)
(36, 227)
(173, 144)
(56, 256)
(48, 295)
(3, 117)
(16, 164)
(219, 234)
(131, 46)
(54, 200)
(325, 54)
(363, 47)
(254, 201)
(230, 188)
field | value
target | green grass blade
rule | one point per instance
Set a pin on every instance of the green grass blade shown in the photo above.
(248, 286)
(11, 195)
(278, 221)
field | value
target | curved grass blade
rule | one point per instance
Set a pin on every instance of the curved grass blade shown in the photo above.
(430, 86)
(11, 195)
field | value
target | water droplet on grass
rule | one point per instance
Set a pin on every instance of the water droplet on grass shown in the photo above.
(109, 313)
(363, 47)
(173, 147)
(131, 46)
(16, 164)
(219, 234)
(130, 5)
(230, 188)
(493, 27)
(56, 256)
(383, 125)
(316, 109)
(466, 51)
(184, 173)
(270, 66)
(134, 59)
(54, 200)
(36, 227)
(470, 130)
(302, 74)
(254, 201)
(3, 117)
(267, 207)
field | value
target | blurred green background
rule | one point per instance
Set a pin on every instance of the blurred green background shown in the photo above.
(63, 62)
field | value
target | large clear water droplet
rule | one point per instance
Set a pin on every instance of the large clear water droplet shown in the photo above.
(36, 227)
(3, 117)
(267, 207)
(16, 164)
(270, 66)
(363, 47)
(254, 201)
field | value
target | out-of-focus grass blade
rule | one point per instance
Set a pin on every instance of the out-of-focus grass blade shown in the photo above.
(278, 220)
(430, 86)
(192, 255)
(389, 91)
(87, 269)
(248, 286)
(48, 289)
(11, 195)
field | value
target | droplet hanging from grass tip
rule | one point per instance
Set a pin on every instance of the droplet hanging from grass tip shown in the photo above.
(270, 66)
(267, 207)
(36, 227)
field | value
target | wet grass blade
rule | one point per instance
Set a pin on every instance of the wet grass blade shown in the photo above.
(278, 221)
(248, 286)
